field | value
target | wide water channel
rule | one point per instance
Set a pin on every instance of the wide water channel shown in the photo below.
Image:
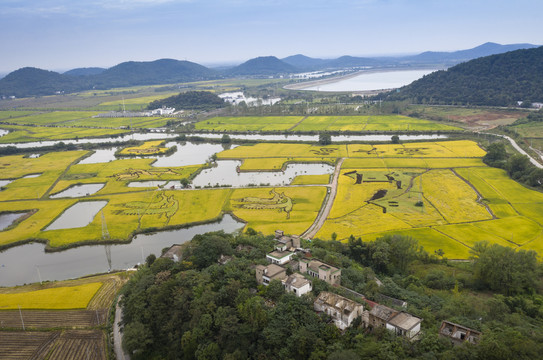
(27, 263)
(254, 137)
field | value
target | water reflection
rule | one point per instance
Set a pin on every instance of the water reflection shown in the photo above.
(79, 215)
(225, 173)
(7, 219)
(20, 265)
(78, 191)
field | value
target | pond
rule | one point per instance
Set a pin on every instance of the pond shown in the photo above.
(225, 173)
(85, 260)
(372, 80)
(5, 182)
(78, 215)
(3, 132)
(187, 154)
(78, 191)
(6, 219)
(30, 176)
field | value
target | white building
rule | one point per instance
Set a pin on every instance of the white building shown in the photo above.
(279, 257)
(297, 284)
(342, 310)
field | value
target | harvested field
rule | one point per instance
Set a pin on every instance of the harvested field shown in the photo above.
(26, 345)
(79, 344)
(53, 319)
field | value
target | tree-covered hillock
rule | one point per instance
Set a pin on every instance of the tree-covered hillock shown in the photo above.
(496, 80)
(199, 308)
(193, 100)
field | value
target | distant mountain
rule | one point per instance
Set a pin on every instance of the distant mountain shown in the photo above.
(85, 71)
(304, 62)
(163, 71)
(31, 81)
(498, 80)
(486, 49)
(265, 65)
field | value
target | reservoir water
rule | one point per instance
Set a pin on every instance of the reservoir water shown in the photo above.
(6, 219)
(22, 264)
(373, 80)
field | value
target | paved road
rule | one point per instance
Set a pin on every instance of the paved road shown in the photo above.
(117, 334)
(325, 209)
(519, 149)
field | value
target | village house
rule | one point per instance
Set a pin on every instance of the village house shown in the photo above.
(297, 284)
(279, 257)
(318, 269)
(284, 243)
(343, 311)
(265, 274)
(400, 322)
(458, 333)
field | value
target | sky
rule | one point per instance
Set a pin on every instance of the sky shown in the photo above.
(65, 34)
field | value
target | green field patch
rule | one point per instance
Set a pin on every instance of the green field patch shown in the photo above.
(365, 220)
(54, 117)
(311, 179)
(315, 123)
(516, 229)
(455, 200)
(276, 201)
(142, 100)
(21, 133)
(532, 211)
(9, 114)
(502, 210)
(431, 240)
(469, 234)
(249, 123)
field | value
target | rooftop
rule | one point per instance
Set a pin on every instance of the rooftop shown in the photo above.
(279, 254)
(297, 280)
(405, 321)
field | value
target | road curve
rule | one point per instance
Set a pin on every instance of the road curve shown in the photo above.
(325, 209)
(519, 149)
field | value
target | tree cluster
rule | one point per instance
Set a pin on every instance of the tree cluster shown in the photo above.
(200, 309)
(497, 80)
(193, 100)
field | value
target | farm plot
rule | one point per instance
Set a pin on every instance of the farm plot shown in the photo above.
(19, 133)
(9, 114)
(117, 122)
(117, 174)
(79, 344)
(50, 118)
(53, 319)
(264, 123)
(266, 209)
(289, 151)
(44, 170)
(72, 297)
(147, 148)
(26, 345)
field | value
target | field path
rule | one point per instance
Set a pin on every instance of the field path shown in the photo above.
(117, 334)
(327, 206)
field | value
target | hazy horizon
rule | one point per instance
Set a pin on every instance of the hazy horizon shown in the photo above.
(62, 34)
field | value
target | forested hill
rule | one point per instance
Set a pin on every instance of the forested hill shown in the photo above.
(264, 65)
(198, 100)
(498, 80)
(33, 81)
